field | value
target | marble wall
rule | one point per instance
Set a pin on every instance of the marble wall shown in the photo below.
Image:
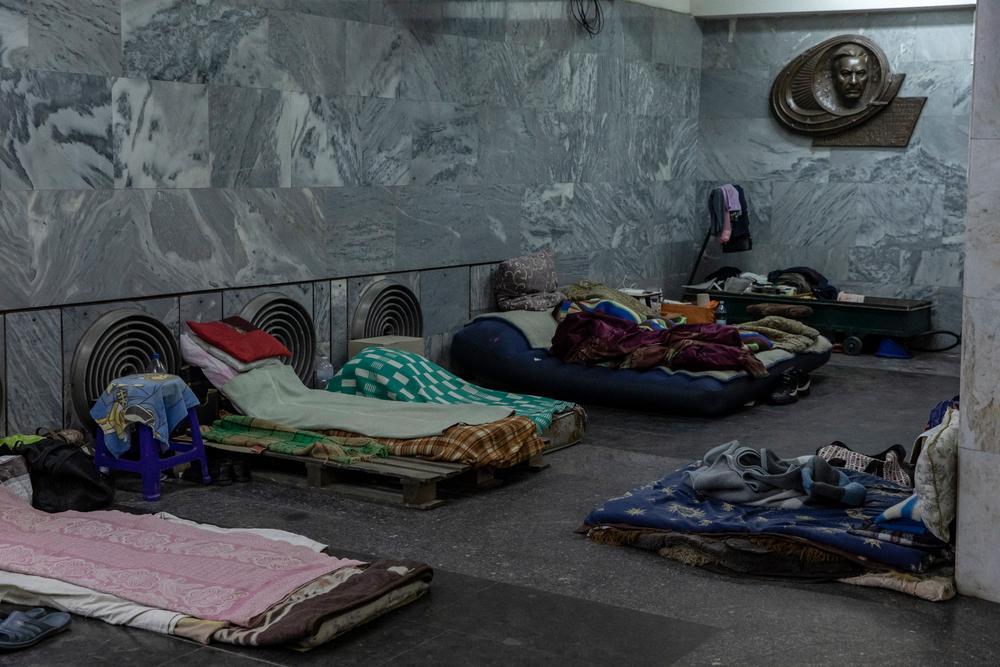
(177, 155)
(888, 222)
(978, 551)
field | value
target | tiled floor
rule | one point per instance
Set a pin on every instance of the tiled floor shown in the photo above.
(515, 585)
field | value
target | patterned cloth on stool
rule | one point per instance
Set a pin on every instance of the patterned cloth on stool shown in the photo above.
(155, 403)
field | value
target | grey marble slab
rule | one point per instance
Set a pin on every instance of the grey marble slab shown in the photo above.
(938, 153)
(807, 214)
(324, 131)
(748, 149)
(481, 297)
(374, 60)
(384, 138)
(983, 230)
(546, 24)
(735, 93)
(321, 314)
(338, 322)
(939, 268)
(947, 85)
(308, 52)
(673, 207)
(362, 228)
(3, 379)
(986, 96)
(898, 213)
(884, 266)
(483, 20)
(233, 301)
(14, 33)
(655, 89)
(202, 307)
(161, 134)
(573, 267)
(198, 42)
(75, 36)
(677, 39)
(445, 144)
(660, 148)
(443, 226)
(944, 35)
(282, 235)
(639, 31)
(356, 288)
(56, 131)
(250, 137)
(34, 371)
(77, 319)
(444, 299)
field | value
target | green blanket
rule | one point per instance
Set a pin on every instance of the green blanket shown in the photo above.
(250, 432)
(276, 393)
(386, 373)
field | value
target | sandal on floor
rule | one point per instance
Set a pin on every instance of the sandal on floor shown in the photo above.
(22, 629)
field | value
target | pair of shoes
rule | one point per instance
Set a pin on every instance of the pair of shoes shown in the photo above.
(792, 385)
(21, 629)
(228, 471)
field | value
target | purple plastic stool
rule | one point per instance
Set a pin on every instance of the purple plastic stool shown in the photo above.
(150, 464)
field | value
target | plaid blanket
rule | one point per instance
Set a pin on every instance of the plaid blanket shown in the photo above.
(251, 432)
(500, 444)
(397, 375)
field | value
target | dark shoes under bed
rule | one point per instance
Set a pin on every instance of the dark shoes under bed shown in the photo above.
(792, 385)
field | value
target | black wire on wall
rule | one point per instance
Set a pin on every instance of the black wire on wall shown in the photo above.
(589, 14)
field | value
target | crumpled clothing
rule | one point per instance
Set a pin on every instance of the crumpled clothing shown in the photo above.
(157, 400)
(737, 474)
(591, 338)
(612, 308)
(786, 334)
(583, 290)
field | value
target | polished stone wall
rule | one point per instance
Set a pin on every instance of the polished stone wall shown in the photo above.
(978, 551)
(887, 222)
(179, 156)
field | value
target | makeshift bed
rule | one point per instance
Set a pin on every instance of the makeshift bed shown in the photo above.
(814, 542)
(509, 350)
(199, 582)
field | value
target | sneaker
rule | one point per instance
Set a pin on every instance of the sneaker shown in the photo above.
(222, 475)
(785, 392)
(803, 383)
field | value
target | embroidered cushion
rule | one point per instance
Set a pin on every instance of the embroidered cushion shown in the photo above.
(527, 283)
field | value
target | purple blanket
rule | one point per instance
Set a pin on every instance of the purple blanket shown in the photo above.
(591, 338)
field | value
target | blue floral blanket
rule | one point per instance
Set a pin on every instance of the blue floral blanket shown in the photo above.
(670, 504)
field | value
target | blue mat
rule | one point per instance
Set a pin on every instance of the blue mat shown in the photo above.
(671, 505)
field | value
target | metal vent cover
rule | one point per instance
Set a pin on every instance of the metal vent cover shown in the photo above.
(387, 308)
(120, 342)
(289, 322)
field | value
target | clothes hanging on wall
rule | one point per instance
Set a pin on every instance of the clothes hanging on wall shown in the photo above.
(729, 207)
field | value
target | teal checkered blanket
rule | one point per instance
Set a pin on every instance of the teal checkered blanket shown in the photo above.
(397, 375)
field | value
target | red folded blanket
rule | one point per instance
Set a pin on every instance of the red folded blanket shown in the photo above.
(240, 339)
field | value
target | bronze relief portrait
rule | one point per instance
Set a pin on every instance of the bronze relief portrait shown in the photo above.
(837, 85)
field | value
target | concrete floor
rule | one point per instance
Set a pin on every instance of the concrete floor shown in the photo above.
(515, 585)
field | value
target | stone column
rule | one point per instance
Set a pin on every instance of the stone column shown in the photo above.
(978, 566)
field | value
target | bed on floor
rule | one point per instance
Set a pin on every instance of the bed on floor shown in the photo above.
(251, 587)
(509, 350)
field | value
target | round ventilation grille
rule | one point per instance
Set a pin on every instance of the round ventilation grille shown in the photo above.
(387, 308)
(289, 322)
(119, 343)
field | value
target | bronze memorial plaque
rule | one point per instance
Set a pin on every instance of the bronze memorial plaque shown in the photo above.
(890, 129)
(839, 86)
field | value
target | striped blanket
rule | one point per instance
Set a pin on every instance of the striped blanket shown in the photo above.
(397, 375)
(251, 432)
(614, 309)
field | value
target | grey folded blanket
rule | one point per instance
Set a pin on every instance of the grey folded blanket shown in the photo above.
(745, 475)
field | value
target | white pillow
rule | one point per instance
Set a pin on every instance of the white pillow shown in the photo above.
(231, 361)
(936, 476)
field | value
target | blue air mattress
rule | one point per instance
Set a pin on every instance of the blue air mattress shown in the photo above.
(494, 352)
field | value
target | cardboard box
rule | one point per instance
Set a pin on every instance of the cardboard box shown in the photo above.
(415, 345)
(695, 314)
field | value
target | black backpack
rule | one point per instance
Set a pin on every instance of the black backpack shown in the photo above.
(64, 478)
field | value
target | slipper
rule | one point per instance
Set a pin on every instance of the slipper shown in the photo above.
(21, 629)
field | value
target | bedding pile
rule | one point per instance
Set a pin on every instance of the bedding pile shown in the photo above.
(397, 375)
(199, 582)
(250, 432)
(746, 511)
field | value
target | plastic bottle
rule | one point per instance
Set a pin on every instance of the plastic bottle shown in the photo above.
(721, 314)
(156, 364)
(324, 369)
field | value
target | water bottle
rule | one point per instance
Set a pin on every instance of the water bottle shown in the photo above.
(721, 314)
(324, 369)
(156, 364)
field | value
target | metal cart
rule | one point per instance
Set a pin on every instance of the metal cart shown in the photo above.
(896, 318)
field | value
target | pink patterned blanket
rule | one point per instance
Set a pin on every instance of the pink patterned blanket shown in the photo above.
(214, 576)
